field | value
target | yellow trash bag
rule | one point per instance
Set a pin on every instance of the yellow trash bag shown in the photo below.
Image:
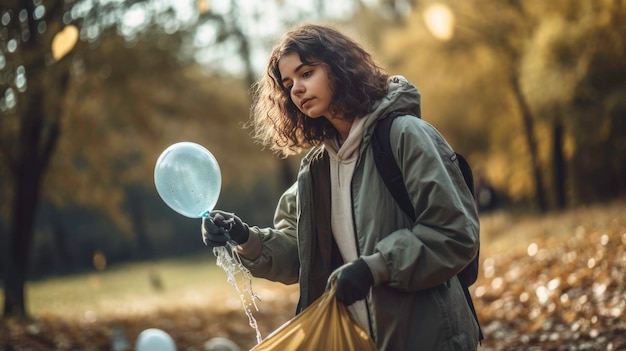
(324, 325)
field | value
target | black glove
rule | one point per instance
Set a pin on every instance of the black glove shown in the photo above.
(220, 227)
(354, 281)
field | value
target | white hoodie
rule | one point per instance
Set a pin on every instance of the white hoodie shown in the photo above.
(343, 159)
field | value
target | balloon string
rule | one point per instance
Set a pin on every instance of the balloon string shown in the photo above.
(228, 258)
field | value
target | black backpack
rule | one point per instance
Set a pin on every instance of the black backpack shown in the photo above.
(392, 176)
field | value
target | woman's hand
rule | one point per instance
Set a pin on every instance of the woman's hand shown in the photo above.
(220, 227)
(354, 281)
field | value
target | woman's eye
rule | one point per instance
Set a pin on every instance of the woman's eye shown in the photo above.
(307, 73)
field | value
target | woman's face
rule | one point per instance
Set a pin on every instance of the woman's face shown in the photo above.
(309, 87)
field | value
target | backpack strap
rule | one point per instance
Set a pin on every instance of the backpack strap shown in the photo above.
(466, 170)
(387, 165)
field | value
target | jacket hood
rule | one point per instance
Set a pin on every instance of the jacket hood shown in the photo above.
(401, 96)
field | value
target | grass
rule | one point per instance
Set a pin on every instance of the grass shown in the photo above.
(135, 288)
(129, 288)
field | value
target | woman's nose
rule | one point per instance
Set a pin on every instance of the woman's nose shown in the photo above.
(297, 88)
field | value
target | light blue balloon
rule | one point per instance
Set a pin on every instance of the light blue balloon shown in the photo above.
(188, 179)
(154, 339)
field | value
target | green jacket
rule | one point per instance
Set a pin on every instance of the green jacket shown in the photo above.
(422, 305)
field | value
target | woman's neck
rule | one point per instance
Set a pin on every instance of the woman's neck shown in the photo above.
(342, 126)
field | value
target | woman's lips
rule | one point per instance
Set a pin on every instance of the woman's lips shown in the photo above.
(304, 102)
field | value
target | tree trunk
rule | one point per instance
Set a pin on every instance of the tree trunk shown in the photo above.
(20, 237)
(558, 164)
(26, 177)
(38, 136)
(529, 129)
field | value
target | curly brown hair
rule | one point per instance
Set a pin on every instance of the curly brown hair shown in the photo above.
(358, 82)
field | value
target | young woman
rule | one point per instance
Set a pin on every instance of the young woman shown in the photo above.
(397, 276)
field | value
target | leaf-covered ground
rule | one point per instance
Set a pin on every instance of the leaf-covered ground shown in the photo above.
(561, 287)
(547, 283)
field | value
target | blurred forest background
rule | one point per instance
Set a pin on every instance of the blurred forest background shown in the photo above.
(92, 91)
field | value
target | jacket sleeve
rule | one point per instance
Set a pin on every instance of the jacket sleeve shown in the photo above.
(275, 250)
(444, 237)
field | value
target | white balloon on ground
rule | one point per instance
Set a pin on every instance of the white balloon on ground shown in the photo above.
(154, 340)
